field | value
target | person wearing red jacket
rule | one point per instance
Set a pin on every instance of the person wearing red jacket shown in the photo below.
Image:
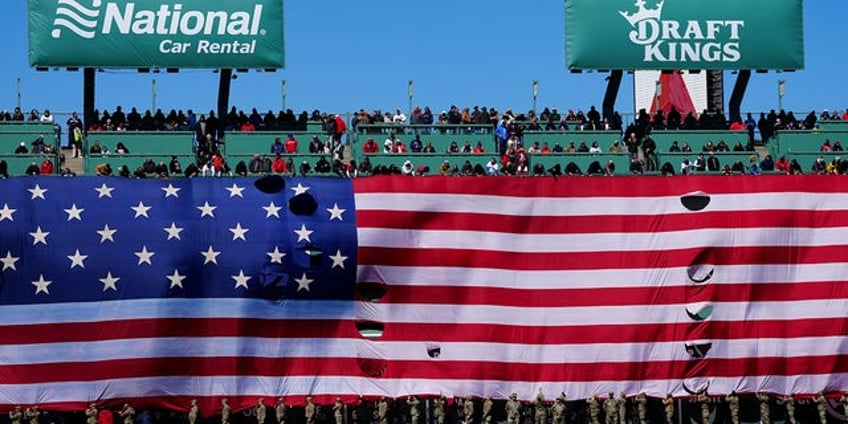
(46, 167)
(279, 165)
(291, 144)
(341, 129)
(370, 147)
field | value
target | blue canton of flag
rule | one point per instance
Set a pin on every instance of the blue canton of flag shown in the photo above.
(97, 239)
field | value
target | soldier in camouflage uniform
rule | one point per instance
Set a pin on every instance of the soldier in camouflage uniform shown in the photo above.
(642, 407)
(487, 410)
(439, 409)
(281, 411)
(309, 410)
(338, 411)
(193, 412)
(821, 407)
(383, 411)
(558, 410)
(765, 411)
(16, 416)
(225, 411)
(128, 413)
(33, 414)
(260, 411)
(540, 412)
(789, 402)
(594, 409)
(414, 409)
(705, 408)
(611, 409)
(668, 405)
(622, 408)
(90, 414)
(513, 409)
(468, 410)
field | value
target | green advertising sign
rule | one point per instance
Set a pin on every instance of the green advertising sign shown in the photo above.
(684, 34)
(156, 33)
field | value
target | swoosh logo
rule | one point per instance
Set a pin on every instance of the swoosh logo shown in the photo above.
(76, 18)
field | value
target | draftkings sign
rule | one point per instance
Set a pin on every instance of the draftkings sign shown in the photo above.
(684, 34)
(156, 33)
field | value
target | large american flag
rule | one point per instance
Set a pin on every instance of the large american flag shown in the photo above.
(162, 291)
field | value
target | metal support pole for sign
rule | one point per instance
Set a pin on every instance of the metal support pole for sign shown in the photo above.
(153, 93)
(781, 91)
(18, 103)
(410, 91)
(285, 92)
(657, 95)
(535, 93)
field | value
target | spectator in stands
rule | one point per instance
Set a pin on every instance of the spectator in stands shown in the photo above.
(46, 117)
(370, 146)
(4, 169)
(557, 149)
(674, 147)
(407, 168)
(713, 164)
(738, 147)
(534, 148)
(754, 166)
(492, 167)
(837, 146)
(826, 147)
(616, 147)
(291, 144)
(267, 164)
(738, 167)
(75, 134)
(466, 148)
(46, 167)
(279, 165)
(33, 115)
(399, 147)
(444, 168)
(609, 168)
(767, 164)
(241, 168)
(582, 148)
(673, 119)
(686, 167)
(149, 167)
(121, 149)
(174, 166)
(322, 166)
(722, 147)
(247, 126)
(478, 149)
(162, 170)
(545, 148)
(389, 144)
(782, 165)
(416, 145)
(709, 146)
(21, 149)
(103, 169)
(636, 167)
(596, 149)
(351, 170)
(572, 168)
(819, 166)
(365, 167)
(569, 148)
(96, 149)
(18, 115)
(667, 170)
(277, 147)
(453, 148)
(316, 146)
(700, 163)
(33, 169)
(429, 148)
(685, 148)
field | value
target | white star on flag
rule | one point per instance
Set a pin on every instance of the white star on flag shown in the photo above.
(276, 256)
(106, 234)
(338, 259)
(6, 213)
(272, 210)
(73, 212)
(241, 279)
(336, 212)
(303, 282)
(141, 210)
(239, 232)
(173, 231)
(171, 191)
(104, 191)
(303, 233)
(9, 261)
(41, 285)
(300, 189)
(37, 192)
(144, 256)
(176, 279)
(39, 236)
(77, 259)
(109, 282)
(210, 255)
(207, 210)
(235, 190)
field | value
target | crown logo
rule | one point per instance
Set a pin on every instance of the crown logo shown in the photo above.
(643, 14)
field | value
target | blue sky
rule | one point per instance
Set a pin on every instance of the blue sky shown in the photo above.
(346, 55)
